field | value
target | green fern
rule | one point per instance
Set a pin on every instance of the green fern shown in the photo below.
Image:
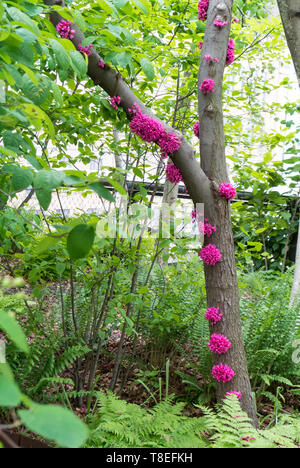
(230, 427)
(269, 326)
(120, 424)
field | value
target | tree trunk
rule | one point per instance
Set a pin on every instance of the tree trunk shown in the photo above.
(290, 17)
(221, 279)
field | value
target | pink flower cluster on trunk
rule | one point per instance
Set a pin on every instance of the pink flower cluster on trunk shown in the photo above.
(227, 191)
(219, 23)
(230, 52)
(207, 86)
(150, 130)
(168, 142)
(213, 314)
(173, 174)
(115, 102)
(219, 344)
(234, 392)
(196, 129)
(210, 255)
(202, 10)
(222, 373)
(206, 229)
(64, 29)
(85, 50)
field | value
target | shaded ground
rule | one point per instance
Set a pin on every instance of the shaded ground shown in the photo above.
(129, 386)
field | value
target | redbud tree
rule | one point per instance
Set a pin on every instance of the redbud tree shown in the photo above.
(207, 183)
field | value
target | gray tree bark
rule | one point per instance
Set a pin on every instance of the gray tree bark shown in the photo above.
(290, 17)
(221, 279)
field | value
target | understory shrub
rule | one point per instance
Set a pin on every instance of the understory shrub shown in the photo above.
(269, 327)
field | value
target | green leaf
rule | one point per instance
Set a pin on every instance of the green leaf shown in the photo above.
(164, 243)
(44, 182)
(60, 268)
(79, 64)
(80, 241)
(79, 20)
(140, 5)
(10, 394)
(37, 94)
(147, 68)
(122, 59)
(61, 55)
(45, 244)
(105, 5)
(116, 185)
(138, 172)
(21, 178)
(30, 73)
(57, 94)
(102, 191)
(55, 423)
(17, 15)
(44, 198)
(48, 179)
(14, 331)
(260, 230)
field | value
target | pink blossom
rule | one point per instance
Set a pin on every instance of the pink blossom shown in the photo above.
(219, 23)
(227, 191)
(196, 129)
(145, 127)
(230, 52)
(64, 29)
(222, 373)
(200, 45)
(150, 130)
(168, 142)
(216, 59)
(173, 174)
(219, 344)
(235, 20)
(115, 101)
(134, 109)
(101, 63)
(207, 57)
(206, 229)
(234, 392)
(207, 86)
(210, 255)
(85, 50)
(213, 315)
(202, 10)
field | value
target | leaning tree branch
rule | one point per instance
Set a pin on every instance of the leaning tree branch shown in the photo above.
(197, 183)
